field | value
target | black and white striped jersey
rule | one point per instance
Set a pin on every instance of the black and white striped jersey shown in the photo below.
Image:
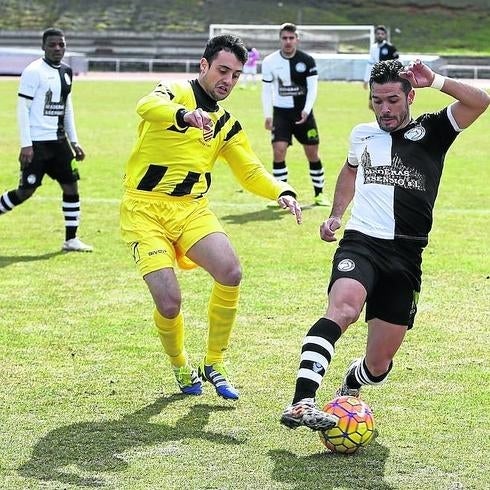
(398, 175)
(379, 52)
(48, 87)
(289, 78)
(387, 51)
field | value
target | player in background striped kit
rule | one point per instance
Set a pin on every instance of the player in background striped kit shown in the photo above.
(48, 136)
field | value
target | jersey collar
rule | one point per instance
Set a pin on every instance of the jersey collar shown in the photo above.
(52, 65)
(202, 98)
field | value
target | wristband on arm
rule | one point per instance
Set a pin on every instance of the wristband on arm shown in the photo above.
(438, 81)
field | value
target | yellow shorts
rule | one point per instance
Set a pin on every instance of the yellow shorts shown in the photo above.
(160, 229)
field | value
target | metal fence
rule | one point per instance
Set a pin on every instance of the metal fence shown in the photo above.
(143, 64)
(159, 65)
(466, 71)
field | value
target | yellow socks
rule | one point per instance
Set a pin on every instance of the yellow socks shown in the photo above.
(171, 332)
(221, 313)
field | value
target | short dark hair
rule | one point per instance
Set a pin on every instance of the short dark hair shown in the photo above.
(52, 31)
(389, 71)
(226, 42)
(288, 26)
(381, 28)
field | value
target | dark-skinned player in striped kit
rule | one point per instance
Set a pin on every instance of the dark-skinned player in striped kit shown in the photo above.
(49, 142)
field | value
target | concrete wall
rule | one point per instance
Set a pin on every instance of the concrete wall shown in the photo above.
(14, 60)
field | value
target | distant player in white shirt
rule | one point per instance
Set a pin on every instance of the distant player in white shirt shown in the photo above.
(48, 135)
(289, 90)
(381, 50)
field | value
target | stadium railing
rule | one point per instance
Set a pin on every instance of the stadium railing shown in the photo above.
(465, 71)
(129, 64)
(142, 64)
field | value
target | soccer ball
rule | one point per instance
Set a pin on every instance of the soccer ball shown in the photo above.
(355, 427)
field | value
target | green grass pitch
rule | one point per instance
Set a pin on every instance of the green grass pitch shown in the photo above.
(87, 397)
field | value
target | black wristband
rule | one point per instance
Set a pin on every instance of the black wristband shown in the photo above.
(287, 193)
(179, 117)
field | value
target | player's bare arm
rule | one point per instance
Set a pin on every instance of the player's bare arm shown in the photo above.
(344, 192)
(471, 101)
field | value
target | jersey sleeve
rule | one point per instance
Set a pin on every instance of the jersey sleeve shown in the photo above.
(443, 127)
(267, 99)
(249, 170)
(311, 93)
(267, 79)
(29, 81)
(162, 104)
(267, 75)
(311, 65)
(69, 121)
(352, 160)
(23, 108)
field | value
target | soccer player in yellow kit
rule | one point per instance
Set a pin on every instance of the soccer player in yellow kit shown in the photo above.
(165, 218)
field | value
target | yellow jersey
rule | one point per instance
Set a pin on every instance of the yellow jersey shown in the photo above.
(169, 158)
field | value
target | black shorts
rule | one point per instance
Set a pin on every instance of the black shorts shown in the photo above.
(54, 158)
(284, 127)
(389, 270)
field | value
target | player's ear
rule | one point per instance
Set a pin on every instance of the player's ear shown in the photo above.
(203, 65)
(411, 96)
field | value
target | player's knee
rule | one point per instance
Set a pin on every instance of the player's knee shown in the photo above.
(169, 307)
(345, 314)
(232, 275)
(169, 311)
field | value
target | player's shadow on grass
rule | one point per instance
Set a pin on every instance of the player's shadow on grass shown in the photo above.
(76, 454)
(326, 470)
(267, 214)
(7, 260)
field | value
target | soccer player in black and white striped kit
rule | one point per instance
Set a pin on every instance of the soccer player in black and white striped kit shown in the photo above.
(392, 175)
(48, 135)
(289, 90)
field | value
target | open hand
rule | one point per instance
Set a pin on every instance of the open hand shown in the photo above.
(418, 74)
(290, 203)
